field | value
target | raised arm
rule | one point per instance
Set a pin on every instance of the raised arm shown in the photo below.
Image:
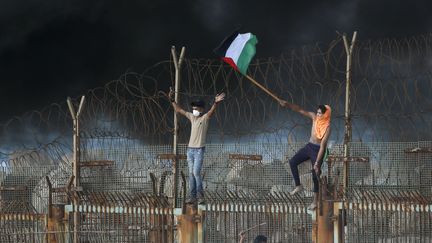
(176, 107)
(242, 236)
(297, 108)
(218, 98)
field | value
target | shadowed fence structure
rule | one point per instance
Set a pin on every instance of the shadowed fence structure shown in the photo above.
(283, 218)
(126, 173)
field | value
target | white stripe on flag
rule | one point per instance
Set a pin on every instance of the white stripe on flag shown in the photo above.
(237, 46)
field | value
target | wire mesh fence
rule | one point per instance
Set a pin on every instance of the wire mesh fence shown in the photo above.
(279, 216)
(122, 217)
(395, 165)
(127, 126)
(245, 185)
(391, 221)
(23, 227)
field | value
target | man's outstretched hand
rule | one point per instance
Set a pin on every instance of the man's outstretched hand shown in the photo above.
(242, 236)
(219, 97)
(171, 94)
(283, 103)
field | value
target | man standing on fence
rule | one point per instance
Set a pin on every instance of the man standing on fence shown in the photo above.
(196, 147)
(314, 150)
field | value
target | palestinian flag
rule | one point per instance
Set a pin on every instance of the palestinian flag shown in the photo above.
(237, 50)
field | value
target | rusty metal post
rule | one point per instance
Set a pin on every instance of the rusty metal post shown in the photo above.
(338, 222)
(154, 236)
(169, 222)
(56, 215)
(56, 225)
(190, 224)
(46, 238)
(177, 66)
(49, 195)
(200, 224)
(76, 157)
(50, 224)
(322, 222)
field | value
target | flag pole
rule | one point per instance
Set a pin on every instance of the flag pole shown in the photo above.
(263, 88)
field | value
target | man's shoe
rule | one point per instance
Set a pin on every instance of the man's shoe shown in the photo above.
(191, 200)
(296, 190)
(201, 201)
(201, 198)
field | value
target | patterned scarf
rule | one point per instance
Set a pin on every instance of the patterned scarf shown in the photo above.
(322, 123)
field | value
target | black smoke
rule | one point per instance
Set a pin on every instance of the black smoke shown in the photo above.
(53, 49)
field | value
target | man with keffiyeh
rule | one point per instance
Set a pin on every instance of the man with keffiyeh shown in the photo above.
(315, 149)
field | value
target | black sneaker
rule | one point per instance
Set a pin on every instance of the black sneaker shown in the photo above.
(201, 199)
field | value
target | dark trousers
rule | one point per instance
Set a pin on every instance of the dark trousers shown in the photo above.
(309, 151)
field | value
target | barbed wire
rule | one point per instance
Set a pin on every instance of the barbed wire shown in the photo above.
(391, 99)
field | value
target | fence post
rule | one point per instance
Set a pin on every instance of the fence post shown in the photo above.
(322, 226)
(340, 236)
(177, 66)
(200, 224)
(76, 158)
(190, 224)
(348, 132)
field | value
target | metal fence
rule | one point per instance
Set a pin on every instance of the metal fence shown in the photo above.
(126, 125)
(281, 217)
(123, 217)
(23, 227)
(130, 199)
(395, 217)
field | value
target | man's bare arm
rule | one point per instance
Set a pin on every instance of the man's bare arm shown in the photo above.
(176, 107)
(297, 108)
(323, 146)
(242, 237)
(218, 98)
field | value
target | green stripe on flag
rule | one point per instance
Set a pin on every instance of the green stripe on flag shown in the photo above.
(247, 54)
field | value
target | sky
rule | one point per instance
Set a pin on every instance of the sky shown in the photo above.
(51, 49)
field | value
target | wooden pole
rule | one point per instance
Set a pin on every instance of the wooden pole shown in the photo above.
(347, 137)
(76, 157)
(177, 66)
(339, 234)
(263, 88)
(253, 227)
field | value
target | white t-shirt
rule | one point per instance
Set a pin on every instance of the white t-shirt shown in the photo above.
(199, 127)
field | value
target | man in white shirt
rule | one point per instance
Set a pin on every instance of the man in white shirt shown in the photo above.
(196, 147)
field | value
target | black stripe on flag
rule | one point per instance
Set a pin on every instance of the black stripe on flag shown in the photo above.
(225, 44)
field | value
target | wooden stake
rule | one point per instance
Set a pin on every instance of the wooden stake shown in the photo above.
(253, 227)
(177, 66)
(347, 137)
(263, 88)
(339, 235)
(76, 156)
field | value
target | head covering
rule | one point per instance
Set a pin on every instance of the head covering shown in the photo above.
(198, 103)
(260, 238)
(322, 123)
